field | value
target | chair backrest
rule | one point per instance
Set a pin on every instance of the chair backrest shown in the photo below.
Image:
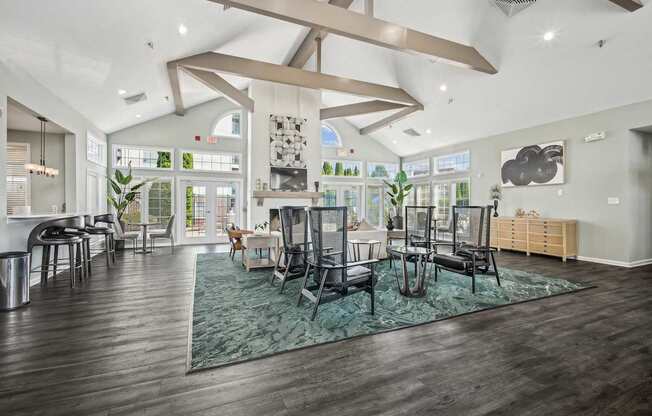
(105, 218)
(294, 227)
(59, 224)
(329, 241)
(471, 225)
(418, 224)
(170, 227)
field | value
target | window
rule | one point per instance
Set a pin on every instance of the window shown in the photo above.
(454, 163)
(225, 207)
(211, 162)
(229, 126)
(341, 168)
(447, 194)
(329, 137)
(421, 194)
(159, 202)
(349, 196)
(18, 180)
(95, 150)
(142, 157)
(382, 170)
(417, 168)
(96, 183)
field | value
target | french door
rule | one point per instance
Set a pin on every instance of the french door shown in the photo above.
(206, 209)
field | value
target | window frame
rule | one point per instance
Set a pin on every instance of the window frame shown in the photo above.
(209, 152)
(452, 196)
(360, 164)
(102, 146)
(453, 172)
(339, 144)
(377, 178)
(28, 177)
(115, 147)
(423, 175)
(222, 117)
(339, 194)
(144, 195)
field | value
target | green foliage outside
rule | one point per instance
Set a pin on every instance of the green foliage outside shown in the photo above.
(164, 160)
(189, 206)
(327, 169)
(339, 170)
(379, 172)
(187, 161)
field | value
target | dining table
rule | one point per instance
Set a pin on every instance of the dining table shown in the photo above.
(143, 226)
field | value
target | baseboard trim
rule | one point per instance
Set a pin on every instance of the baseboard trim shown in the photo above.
(629, 265)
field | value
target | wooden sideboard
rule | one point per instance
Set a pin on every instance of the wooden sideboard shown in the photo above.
(548, 236)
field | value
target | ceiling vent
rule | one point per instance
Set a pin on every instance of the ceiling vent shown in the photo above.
(133, 99)
(412, 132)
(512, 7)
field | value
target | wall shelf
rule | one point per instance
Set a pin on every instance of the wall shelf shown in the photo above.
(262, 195)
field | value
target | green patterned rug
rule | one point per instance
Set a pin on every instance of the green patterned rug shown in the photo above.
(238, 316)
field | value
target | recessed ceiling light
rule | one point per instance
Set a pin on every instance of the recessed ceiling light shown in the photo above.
(137, 115)
(394, 142)
(428, 131)
(122, 92)
(183, 30)
(443, 87)
(548, 36)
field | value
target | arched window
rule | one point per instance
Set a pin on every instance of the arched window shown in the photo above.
(329, 137)
(229, 125)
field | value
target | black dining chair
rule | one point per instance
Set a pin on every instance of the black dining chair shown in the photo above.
(333, 276)
(291, 262)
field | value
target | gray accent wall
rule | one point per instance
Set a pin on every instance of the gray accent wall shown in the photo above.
(618, 167)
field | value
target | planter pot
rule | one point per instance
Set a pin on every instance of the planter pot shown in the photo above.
(390, 225)
(119, 245)
(398, 222)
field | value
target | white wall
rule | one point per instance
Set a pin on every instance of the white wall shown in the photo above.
(17, 84)
(44, 191)
(616, 167)
(277, 99)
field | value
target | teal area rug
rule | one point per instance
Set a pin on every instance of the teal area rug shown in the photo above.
(238, 316)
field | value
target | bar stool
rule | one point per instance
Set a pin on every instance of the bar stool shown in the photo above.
(93, 228)
(50, 234)
(85, 254)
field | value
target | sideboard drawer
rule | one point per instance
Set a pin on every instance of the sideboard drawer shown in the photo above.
(543, 228)
(542, 248)
(556, 239)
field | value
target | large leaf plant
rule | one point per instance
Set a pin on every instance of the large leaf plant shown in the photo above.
(398, 191)
(123, 192)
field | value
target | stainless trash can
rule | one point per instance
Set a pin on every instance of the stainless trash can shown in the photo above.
(14, 280)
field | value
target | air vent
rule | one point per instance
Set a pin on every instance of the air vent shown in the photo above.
(412, 132)
(512, 7)
(133, 99)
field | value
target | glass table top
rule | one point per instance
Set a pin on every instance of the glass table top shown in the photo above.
(409, 250)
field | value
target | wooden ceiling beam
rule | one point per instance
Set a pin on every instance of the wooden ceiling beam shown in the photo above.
(325, 17)
(173, 76)
(357, 109)
(630, 5)
(219, 84)
(381, 124)
(249, 68)
(308, 45)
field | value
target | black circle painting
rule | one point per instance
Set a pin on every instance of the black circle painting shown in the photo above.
(541, 164)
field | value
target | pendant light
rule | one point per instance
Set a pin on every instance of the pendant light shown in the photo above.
(42, 169)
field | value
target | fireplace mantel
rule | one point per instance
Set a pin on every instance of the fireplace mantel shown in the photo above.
(262, 195)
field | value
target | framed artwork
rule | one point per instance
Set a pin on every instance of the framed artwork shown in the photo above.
(539, 164)
(287, 143)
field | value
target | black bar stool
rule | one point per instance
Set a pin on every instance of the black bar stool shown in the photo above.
(85, 254)
(50, 234)
(93, 228)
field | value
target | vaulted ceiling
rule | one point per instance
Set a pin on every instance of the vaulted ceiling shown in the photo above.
(85, 51)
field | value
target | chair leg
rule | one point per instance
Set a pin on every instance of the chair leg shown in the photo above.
(80, 260)
(303, 286)
(276, 264)
(172, 242)
(473, 276)
(287, 271)
(73, 262)
(319, 293)
(493, 262)
(87, 246)
(45, 261)
(55, 262)
(113, 248)
(107, 247)
(371, 291)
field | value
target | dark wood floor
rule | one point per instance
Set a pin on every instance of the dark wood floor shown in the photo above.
(118, 345)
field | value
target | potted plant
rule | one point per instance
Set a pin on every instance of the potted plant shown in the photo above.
(496, 193)
(121, 195)
(261, 228)
(398, 191)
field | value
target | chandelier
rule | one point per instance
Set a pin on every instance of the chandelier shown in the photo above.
(42, 169)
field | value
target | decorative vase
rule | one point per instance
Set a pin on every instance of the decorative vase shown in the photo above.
(316, 186)
(390, 224)
(495, 207)
(398, 222)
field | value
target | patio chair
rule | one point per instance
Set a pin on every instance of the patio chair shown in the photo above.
(167, 234)
(333, 277)
(291, 261)
(471, 252)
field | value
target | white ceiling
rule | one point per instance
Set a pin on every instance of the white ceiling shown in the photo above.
(20, 118)
(85, 51)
